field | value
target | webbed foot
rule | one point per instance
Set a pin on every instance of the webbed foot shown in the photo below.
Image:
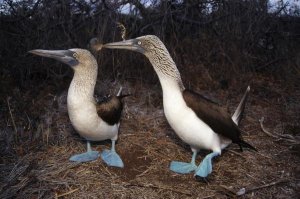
(111, 158)
(205, 167)
(85, 157)
(182, 167)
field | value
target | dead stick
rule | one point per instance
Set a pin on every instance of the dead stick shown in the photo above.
(228, 190)
(11, 116)
(264, 130)
(159, 187)
(210, 196)
(123, 30)
(69, 192)
(264, 186)
(236, 153)
(277, 136)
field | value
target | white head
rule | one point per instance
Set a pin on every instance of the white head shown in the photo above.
(78, 59)
(154, 49)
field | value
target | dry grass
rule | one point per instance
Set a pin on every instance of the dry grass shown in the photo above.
(34, 161)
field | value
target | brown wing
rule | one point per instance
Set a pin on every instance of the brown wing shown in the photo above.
(110, 109)
(216, 117)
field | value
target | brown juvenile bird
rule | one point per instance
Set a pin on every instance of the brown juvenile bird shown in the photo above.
(93, 121)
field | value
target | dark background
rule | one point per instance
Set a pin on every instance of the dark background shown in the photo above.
(223, 37)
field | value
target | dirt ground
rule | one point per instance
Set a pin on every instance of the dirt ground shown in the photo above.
(37, 140)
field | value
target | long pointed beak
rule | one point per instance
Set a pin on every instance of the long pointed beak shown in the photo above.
(130, 44)
(65, 56)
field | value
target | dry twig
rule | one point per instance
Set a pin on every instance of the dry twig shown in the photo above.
(159, 187)
(11, 116)
(244, 190)
(123, 30)
(236, 153)
(67, 193)
(286, 137)
(264, 130)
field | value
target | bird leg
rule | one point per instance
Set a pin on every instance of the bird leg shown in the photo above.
(184, 167)
(111, 158)
(90, 155)
(205, 167)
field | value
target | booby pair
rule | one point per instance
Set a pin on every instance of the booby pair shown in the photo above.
(95, 121)
(196, 120)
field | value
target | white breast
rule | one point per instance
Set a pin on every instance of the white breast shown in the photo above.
(85, 120)
(185, 122)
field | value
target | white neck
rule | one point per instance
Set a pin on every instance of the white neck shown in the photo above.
(83, 84)
(167, 73)
(169, 84)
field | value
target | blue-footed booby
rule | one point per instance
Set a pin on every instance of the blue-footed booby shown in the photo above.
(196, 120)
(95, 121)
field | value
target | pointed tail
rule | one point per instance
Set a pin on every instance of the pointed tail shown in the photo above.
(120, 91)
(120, 95)
(242, 144)
(237, 116)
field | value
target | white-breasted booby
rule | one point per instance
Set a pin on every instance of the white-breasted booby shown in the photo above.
(95, 121)
(196, 120)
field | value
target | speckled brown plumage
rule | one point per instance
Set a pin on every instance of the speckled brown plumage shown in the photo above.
(110, 109)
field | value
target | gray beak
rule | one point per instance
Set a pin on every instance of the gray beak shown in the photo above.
(65, 56)
(131, 44)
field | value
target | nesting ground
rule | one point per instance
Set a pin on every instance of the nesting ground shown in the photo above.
(37, 140)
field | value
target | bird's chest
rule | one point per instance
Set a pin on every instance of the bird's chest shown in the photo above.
(85, 120)
(185, 122)
(82, 114)
(175, 109)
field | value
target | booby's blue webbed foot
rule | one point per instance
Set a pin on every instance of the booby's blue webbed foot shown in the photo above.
(182, 167)
(205, 167)
(85, 157)
(111, 158)
(88, 156)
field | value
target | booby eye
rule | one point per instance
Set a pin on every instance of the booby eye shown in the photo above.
(75, 55)
(139, 42)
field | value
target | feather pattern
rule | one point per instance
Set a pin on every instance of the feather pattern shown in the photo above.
(195, 119)
(110, 109)
(216, 117)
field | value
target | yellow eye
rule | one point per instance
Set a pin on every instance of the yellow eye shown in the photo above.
(75, 55)
(139, 42)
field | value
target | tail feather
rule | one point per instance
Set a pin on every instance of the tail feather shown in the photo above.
(242, 144)
(122, 96)
(120, 91)
(237, 116)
